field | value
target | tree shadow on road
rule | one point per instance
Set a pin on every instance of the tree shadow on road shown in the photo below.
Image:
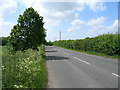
(56, 58)
(51, 51)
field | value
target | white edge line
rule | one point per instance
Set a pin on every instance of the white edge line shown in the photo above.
(82, 60)
(115, 75)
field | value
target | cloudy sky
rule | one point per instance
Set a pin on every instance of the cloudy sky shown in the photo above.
(75, 20)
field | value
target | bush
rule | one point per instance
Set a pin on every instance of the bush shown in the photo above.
(107, 44)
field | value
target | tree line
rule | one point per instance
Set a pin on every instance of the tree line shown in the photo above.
(107, 44)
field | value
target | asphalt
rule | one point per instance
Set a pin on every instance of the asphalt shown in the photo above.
(71, 69)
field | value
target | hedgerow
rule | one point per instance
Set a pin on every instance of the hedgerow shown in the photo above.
(107, 44)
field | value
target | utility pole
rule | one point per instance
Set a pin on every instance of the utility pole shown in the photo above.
(60, 35)
(54, 38)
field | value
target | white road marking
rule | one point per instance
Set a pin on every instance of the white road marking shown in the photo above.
(115, 75)
(82, 61)
(66, 53)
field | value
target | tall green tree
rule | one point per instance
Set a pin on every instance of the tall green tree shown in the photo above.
(29, 32)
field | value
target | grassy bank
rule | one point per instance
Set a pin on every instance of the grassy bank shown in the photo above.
(94, 53)
(0, 68)
(24, 69)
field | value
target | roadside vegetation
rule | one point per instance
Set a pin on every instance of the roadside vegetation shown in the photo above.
(0, 67)
(3, 41)
(24, 69)
(104, 45)
(23, 54)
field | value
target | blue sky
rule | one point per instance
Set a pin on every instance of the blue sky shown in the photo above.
(75, 20)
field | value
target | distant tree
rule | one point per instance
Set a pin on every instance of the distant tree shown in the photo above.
(49, 43)
(3, 41)
(29, 32)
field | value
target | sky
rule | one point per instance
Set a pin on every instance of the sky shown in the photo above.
(75, 20)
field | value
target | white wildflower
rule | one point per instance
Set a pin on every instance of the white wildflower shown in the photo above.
(28, 58)
(16, 86)
(21, 86)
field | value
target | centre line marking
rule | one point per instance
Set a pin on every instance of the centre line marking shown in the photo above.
(115, 75)
(82, 61)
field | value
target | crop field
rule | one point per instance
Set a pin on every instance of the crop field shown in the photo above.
(24, 69)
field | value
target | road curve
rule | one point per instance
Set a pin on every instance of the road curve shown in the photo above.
(71, 69)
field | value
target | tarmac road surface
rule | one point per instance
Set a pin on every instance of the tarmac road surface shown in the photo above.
(71, 69)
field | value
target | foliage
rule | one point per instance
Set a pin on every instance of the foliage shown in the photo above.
(24, 69)
(49, 43)
(3, 41)
(107, 44)
(29, 33)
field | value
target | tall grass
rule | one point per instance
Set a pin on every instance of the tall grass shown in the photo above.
(24, 69)
(0, 67)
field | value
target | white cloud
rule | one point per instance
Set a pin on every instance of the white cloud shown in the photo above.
(77, 25)
(54, 13)
(60, 11)
(113, 28)
(95, 6)
(5, 27)
(103, 29)
(7, 7)
(94, 26)
(96, 21)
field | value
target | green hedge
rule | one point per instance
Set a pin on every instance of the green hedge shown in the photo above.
(107, 44)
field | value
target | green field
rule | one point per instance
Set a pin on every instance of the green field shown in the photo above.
(24, 69)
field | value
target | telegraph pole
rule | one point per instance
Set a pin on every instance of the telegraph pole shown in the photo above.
(60, 35)
(54, 38)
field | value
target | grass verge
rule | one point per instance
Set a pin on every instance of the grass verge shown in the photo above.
(0, 68)
(24, 69)
(95, 53)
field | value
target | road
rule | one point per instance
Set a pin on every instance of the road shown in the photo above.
(71, 69)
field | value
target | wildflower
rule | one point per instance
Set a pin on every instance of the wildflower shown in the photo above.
(2, 66)
(21, 86)
(16, 86)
